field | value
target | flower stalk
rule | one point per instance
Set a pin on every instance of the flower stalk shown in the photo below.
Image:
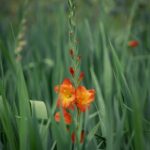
(72, 95)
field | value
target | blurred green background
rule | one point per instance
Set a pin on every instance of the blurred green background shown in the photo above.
(35, 35)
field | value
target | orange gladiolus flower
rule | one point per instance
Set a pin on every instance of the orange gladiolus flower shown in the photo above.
(84, 97)
(133, 43)
(67, 117)
(66, 91)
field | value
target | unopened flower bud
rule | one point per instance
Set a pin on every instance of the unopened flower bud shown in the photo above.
(71, 52)
(71, 71)
(81, 76)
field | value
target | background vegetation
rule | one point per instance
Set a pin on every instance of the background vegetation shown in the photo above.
(34, 57)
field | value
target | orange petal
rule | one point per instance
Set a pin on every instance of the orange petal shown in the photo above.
(67, 81)
(84, 97)
(67, 117)
(81, 89)
(92, 94)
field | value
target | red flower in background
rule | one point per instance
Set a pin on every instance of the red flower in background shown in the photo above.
(133, 43)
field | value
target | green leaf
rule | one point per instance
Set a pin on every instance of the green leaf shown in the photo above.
(38, 109)
(100, 102)
(107, 73)
(91, 134)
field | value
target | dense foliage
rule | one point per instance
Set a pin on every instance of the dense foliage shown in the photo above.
(112, 38)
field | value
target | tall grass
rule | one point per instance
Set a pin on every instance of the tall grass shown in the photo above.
(118, 118)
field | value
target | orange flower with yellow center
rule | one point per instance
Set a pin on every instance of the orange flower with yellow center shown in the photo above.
(66, 91)
(84, 97)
